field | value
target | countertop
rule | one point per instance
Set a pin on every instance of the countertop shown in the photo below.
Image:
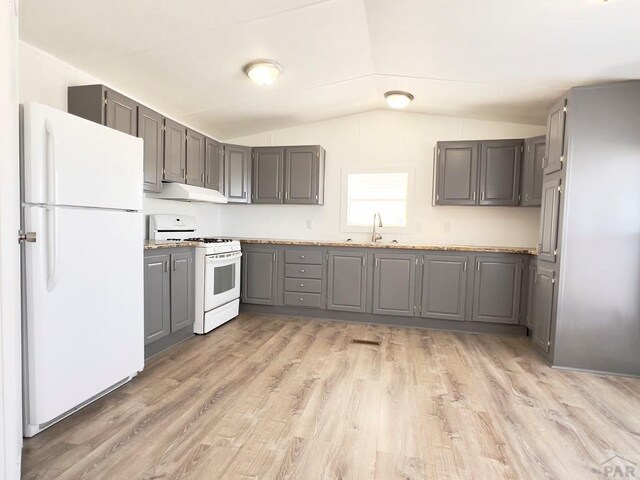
(157, 244)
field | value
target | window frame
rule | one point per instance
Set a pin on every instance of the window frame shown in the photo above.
(344, 198)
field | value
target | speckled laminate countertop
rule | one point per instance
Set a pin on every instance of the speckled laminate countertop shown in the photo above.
(157, 244)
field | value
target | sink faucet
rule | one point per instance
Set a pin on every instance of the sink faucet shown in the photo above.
(376, 236)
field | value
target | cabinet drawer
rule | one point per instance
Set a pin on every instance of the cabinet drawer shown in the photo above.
(302, 299)
(302, 285)
(303, 271)
(303, 256)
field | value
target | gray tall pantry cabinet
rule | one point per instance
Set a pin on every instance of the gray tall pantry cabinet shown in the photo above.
(585, 308)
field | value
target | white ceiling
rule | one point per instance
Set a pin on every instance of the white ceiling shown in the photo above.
(492, 59)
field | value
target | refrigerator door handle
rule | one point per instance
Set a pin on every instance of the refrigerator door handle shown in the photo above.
(52, 248)
(52, 178)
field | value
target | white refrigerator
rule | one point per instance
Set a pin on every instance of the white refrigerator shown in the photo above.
(83, 325)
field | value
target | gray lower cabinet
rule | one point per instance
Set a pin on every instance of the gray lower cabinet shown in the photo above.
(259, 275)
(555, 137)
(496, 295)
(267, 171)
(195, 158)
(500, 172)
(157, 300)
(347, 281)
(542, 307)
(530, 294)
(532, 172)
(444, 287)
(175, 155)
(182, 293)
(214, 165)
(237, 161)
(150, 130)
(457, 173)
(549, 216)
(304, 175)
(394, 281)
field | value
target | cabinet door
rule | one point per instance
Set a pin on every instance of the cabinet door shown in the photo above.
(549, 216)
(500, 172)
(457, 173)
(555, 137)
(150, 130)
(531, 293)
(174, 152)
(236, 168)
(444, 287)
(121, 112)
(532, 172)
(543, 293)
(347, 281)
(301, 175)
(157, 302)
(267, 175)
(182, 294)
(259, 276)
(394, 284)
(496, 295)
(195, 158)
(214, 165)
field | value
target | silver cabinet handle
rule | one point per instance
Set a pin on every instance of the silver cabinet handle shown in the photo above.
(301, 256)
(482, 196)
(302, 284)
(273, 257)
(166, 266)
(474, 196)
(478, 266)
(174, 265)
(301, 299)
(464, 267)
(302, 270)
(526, 197)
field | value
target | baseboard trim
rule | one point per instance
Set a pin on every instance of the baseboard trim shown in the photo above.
(396, 321)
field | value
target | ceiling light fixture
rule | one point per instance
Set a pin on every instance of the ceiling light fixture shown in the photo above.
(263, 72)
(397, 99)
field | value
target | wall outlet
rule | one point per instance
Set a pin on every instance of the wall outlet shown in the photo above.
(446, 227)
(309, 224)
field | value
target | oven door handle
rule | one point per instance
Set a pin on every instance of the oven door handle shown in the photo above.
(223, 257)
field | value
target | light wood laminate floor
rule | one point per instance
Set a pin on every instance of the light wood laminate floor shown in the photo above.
(272, 397)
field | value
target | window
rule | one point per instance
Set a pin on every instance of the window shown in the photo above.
(368, 192)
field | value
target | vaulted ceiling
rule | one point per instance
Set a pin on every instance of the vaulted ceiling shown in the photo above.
(491, 59)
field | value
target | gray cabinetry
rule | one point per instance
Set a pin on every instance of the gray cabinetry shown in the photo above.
(175, 163)
(555, 137)
(304, 175)
(214, 165)
(500, 172)
(102, 105)
(157, 301)
(457, 173)
(347, 281)
(444, 287)
(394, 284)
(530, 293)
(182, 294)
(304, 278)
(542, 307)
(496, 296)
(150, 130)
(549, 215)
(267, 174)
(121, 112)
(532, 172)
(237, 175)
(195, 158)
(259, 275)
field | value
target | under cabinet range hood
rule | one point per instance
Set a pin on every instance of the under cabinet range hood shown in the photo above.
(189, 193)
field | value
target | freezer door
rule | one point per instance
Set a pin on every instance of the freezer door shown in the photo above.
(71, 161)
(83, 316)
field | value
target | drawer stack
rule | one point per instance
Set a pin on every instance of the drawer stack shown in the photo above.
(303, 278)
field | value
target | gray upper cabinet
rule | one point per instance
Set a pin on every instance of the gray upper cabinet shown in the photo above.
(555, 137)
(150, 130)
(195, 158)
(549, 215)
(304, 175)
(182, 294)
(259, 275)
(175, 155)
(102, 105)
(267, 173)
(444, 287)
(532, 172)
(394, 284)
(214, 165)
(457, 173)
(542, 308)
(157, 301)
(237, 161)
(497, 286)
(347, 281)
(121, 112)
(500, 172)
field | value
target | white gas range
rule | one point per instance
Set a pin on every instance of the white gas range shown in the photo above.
(217, 269)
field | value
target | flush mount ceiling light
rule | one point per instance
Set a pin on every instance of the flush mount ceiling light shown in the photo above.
(397, 99)
(263, 72)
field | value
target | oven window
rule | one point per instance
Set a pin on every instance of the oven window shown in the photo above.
(224, 278)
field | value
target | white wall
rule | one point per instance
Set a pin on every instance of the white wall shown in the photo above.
(384, 139)
(44, 78)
